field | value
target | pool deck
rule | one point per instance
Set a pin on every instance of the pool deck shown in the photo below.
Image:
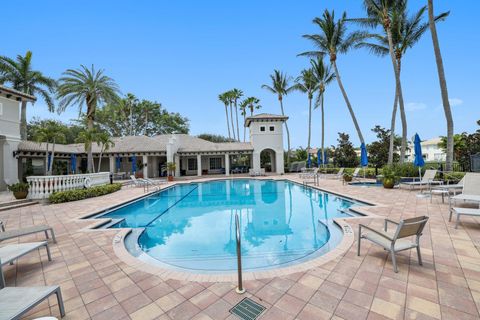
(99, 284)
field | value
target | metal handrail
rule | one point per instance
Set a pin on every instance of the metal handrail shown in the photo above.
(240, 288)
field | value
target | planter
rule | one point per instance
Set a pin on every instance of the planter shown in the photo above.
(20, 194)
(347, 178)
(170, 178)
(388, 183)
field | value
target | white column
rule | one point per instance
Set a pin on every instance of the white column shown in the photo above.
(227, 164)
(256, 160)
(112, 164)
(199, 165)
(145, 166)
(177, 165)
(279, 161)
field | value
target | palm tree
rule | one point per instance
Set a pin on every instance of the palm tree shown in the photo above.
(236, 94)
(253, 104)
(443, 86)
(281, 87)
(229, 95)
(307, 83)
(50, 132)
(243, 111)
(332, 40)
(88, 137)
(223, 97)
(90, 87)
(406, 32)
(105, 142)
(324, 77)
(22, 77)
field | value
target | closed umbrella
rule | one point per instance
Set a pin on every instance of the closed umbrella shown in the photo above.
(325, 157)
(418, 159)
(73, 162)
(309, 160)
(118, 160)
(319, 158)
(134, 164)
(363, 157)
(49, 161)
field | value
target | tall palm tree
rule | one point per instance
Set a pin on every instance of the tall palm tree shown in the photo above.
(281, 87)
(50, 132)
(406, 32)
(332, 40)
(243, 111)
(324, 77)
(88, 87)
(307, 83)
(22, 77)
(379, 13)
(223, 97)
(250, 103)
(230, 103)
(105, 142)
(236, 95)
(253, 104)
(88, 137)
(443, 86)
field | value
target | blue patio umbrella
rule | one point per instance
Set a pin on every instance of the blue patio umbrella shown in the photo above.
(309, 160)
(418, 159)
(325, 157)
(319, 157)
(134, 164)
(49, 160)
(73, 163)
(363, 157)
(118, 160)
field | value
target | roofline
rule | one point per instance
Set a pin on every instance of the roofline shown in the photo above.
(19, 96)
(249, 120)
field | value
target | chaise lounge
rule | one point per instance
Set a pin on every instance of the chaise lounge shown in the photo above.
(15, 233)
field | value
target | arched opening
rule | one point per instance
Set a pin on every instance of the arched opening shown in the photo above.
(267, 160)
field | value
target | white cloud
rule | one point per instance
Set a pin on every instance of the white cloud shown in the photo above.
(414, 106)
(455, 102)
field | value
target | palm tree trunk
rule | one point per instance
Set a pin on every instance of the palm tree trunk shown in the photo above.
(23, 121)
(309, 122)
(323, 132)
(244, 128)
(50, 169)
(100, 159)
(231, 119)
(399, 93)
(228, 124)
(288, 132)
(392, 129)
(347, 101)
(236, 116)
(46, 161)
(443, 87)
(89, 150)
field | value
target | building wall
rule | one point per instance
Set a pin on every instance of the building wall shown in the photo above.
(9, 118)
(267, 139)
(10, 138)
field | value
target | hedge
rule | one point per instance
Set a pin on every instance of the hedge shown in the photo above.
(79, 194)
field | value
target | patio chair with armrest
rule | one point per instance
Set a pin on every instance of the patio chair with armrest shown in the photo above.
(396, 241)
(470, 197)
(14, 233)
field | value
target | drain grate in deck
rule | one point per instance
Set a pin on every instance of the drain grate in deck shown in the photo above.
(247, 309)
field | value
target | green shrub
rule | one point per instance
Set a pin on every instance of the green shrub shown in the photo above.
(453, 177)
(18, 187)
(79, 194)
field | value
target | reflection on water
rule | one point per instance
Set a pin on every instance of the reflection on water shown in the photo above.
(193, 226)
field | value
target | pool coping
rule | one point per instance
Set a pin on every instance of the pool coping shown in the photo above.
(123, 254)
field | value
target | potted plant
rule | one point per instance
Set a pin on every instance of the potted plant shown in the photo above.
(20, 190)
(171, 166)
(390, 177)
(347, 177)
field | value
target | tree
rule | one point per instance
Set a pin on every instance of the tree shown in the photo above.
(281, 87)
(307, 83)
(223, 97)
(236, 94)
(70, 130)
(229, 95)
(332, 40)
(243, 112)
(378, 151)
(88, 137)
(324, 77)
(53, 132)
(344, 154)
(250, 103)
(406, 32)
(443, 86)
(86, 86)
(20, 74)
(105, 142)
(459, 144)
(127, 117)
(214, 137)
(470, 147)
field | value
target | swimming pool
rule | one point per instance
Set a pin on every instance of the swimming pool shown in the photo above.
(192, 226)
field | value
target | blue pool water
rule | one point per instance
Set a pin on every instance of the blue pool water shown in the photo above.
(192, 226)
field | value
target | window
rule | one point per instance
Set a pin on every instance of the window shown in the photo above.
(272, 128)
(262, 129)
(192, 164)
(215, 163)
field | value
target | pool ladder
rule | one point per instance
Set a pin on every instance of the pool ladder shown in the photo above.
(240, 288)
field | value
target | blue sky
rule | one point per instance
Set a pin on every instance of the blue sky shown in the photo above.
(184, 53)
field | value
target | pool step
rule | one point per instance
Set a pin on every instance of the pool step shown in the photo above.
(110, 223)
(16, 204)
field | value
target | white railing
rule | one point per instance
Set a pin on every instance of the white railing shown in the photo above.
(41, 187)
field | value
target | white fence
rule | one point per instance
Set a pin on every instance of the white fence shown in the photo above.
(41, 187)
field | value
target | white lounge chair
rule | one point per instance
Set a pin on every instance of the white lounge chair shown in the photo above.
(11, 252)
(137, 182)
(355, 174)
(394, 242)
(427, 180)
(337, 175)
(470, 195)
(447, 189)
(14, 233)
(154, 182)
